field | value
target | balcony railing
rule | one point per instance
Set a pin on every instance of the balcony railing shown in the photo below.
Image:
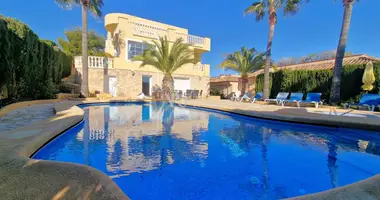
(155, 32)
(95, 62)
(199, 67)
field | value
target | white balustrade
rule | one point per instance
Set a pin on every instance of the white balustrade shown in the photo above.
(155, 32)
(192, 39)
(148, 30)
(95, 62)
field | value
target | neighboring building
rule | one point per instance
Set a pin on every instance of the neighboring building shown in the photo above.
(120, 76)
(225, 84)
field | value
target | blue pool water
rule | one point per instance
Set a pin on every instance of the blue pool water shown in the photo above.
(159, 151)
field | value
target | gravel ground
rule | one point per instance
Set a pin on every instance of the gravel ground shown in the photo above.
(26, 116)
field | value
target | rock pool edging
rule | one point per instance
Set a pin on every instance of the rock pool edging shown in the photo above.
(25, 178)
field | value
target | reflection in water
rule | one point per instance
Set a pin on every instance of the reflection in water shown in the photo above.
(331, 163)
(160, 151)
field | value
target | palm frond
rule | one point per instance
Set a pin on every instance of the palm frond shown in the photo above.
(257, 8)
(164, 57)
(93, 5)
(292, 6)
(243, 61)
(67, 4)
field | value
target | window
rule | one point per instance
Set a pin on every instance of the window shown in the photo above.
(135, 48)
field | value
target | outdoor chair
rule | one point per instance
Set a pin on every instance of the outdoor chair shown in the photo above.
(195, 94)
(247, 96)
(294, 98)
(188, 94)
(200, 94)
(235, 96)
(258, 96)
(313, 98)
(280, 97)
(178, 94)
(367, 100)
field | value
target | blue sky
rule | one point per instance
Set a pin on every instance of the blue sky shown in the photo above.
(313, 29)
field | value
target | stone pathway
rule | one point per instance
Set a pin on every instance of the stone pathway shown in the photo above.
(26, 116)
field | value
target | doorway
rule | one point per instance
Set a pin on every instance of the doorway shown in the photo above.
(112, 80)
(146, 85)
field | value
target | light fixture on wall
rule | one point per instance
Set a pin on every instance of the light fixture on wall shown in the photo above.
(132, 72)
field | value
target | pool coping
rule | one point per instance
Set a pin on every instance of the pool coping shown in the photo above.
(52, 179)
(294, 115)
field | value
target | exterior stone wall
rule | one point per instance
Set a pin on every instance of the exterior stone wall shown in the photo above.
(129, 83)
(66, 96)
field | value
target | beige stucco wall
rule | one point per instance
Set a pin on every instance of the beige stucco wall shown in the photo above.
(129, 83)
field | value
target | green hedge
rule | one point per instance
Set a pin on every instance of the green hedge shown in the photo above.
(29, 67)
(319, 81)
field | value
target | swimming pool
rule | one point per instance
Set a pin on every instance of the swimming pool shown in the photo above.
(160, 151)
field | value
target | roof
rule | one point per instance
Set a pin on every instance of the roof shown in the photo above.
(224, 78)
(325, 64)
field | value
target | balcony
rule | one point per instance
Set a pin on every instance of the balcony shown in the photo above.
(94, 62)
(195, 69)
(154, 32)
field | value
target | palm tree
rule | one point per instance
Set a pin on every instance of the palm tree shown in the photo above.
(259, 8)
(94, 6)
(167, 59)
(243, 61)
(335, 86)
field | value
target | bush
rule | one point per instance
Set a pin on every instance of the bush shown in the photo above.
(320, 81)
(29, 67)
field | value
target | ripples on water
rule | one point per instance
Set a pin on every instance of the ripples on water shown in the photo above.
(157, 151)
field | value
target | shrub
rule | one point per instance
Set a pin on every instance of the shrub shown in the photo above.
(29, 67)
(320, 81)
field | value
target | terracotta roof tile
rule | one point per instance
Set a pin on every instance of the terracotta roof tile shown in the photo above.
(224, 78)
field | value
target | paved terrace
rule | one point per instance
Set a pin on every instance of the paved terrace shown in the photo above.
(325, 115)
(25, 178)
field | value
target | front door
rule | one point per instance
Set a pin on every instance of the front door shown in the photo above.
(112, 85)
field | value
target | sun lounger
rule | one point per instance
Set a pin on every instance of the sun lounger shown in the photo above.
(294, 98)
(313, 98)
(258, 96)
(247, 95)
(280, 97)
(367, 100)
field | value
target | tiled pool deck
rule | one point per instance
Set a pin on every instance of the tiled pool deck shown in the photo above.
(22, 177)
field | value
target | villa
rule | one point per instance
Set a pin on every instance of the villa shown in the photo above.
(120, 76)
(228, 84)
(121, 139)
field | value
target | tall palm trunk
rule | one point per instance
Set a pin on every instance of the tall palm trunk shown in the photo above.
(84, 85)
(244, 81)
(167, 86)
(335, 87)
(272, 24)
